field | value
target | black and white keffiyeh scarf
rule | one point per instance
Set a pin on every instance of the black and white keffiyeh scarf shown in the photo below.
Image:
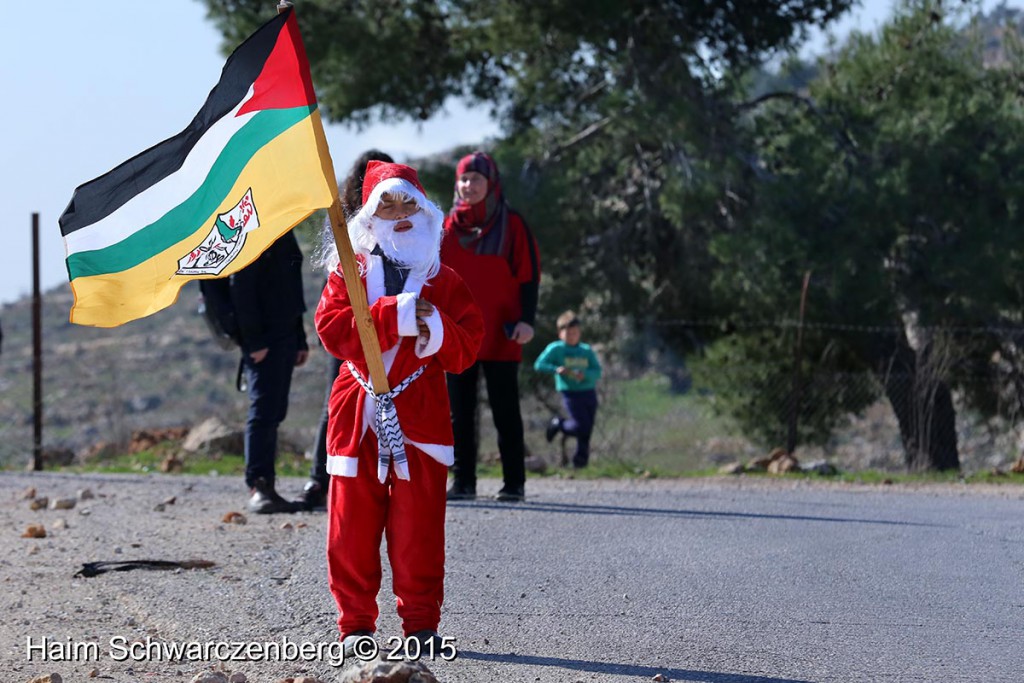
(390, 439)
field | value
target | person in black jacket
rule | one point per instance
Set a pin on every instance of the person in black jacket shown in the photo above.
(268, 302)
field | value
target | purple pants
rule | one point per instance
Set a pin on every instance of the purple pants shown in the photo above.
(581, 406)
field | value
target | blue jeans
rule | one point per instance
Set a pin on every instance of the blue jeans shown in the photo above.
(269, 383)
(581, 406)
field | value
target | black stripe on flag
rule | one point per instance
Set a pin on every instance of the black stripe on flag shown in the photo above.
(101, 196)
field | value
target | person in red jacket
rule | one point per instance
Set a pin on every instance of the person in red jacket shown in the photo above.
(389, 455)
(491, 247)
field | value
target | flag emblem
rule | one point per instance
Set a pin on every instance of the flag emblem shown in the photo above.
(225, 241)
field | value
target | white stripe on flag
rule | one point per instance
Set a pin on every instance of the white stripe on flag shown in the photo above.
(150, 205)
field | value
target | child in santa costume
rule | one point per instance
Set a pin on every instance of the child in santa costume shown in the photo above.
(428, 324)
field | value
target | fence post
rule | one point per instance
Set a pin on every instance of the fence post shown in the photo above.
(37, 353)
(795, 394)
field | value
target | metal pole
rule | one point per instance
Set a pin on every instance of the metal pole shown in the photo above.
(37, 353)
(794, 409)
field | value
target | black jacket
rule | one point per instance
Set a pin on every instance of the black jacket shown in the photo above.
(267, 296)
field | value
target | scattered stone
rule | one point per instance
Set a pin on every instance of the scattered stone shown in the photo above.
(33, 549)
(234, 518)
(85, 494)
(302, 679)
(732, 468)
(159, 507)
(49, 678)
(94, 673)
(171, 465)
(213, 435)
(39, 503)
(210, 677)
(301, 525)
(35, 531)
(146, 439)
(783, 464)
(56, 457)
(30, 493)
(822, 467)
(237, 677)
(758, 465)
(171, 501)
(536, 464)
(85, 512)
(1018, 467)
(287, 525)
(661, 678)
(379, 671)
(60, 524)
(63, 503)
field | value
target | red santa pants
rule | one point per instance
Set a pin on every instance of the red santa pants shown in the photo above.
(411, 514)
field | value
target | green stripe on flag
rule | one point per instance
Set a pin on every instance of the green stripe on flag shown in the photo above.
(189, 216)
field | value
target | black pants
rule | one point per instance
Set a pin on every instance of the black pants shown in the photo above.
(269, 382)
(502, 378)
(318, 472)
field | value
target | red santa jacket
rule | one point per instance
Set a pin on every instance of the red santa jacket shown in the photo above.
(456, 332)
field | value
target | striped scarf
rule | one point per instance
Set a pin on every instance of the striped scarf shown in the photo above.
(390, 439)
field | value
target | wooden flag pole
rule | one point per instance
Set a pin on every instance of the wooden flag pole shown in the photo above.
(357, 296)
(356, 292)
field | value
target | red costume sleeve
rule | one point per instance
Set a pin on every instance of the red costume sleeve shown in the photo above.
(463, 325)
(336, 324)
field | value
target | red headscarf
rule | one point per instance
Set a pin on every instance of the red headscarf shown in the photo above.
(481, 226)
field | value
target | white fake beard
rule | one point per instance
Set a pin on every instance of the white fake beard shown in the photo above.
(417, 248)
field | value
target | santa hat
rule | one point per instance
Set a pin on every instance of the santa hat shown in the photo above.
(382, 177)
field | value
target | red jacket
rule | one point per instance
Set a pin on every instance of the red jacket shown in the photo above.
(505, 287)
(423, 406)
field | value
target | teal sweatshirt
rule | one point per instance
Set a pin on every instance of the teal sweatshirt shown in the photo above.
(579, 357)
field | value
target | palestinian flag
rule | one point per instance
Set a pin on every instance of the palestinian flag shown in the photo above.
(252, 164)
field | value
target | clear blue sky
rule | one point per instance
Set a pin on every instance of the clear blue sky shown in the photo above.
(90, 84)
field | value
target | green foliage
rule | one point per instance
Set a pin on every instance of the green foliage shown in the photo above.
(751, 375)
(896, 184)
(619, 110)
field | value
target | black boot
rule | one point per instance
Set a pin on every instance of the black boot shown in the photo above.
(266, 501)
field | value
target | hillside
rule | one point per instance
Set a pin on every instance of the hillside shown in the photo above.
(161, 371)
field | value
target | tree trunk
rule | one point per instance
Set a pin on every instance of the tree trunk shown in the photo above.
(924, 409)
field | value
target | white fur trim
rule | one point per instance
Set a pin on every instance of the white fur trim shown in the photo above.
(388, 185)
(342, 466)
(374, 279)
(443, 454)
(432, 345)
(407, 315)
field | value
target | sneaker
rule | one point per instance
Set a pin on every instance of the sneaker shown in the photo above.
(511, 495)
(459, 492)
(266, 501)
(350, 644)
(314, 495)
(430, 643)
(553, 428)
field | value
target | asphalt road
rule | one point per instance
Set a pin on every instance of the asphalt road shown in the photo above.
(711, 581)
